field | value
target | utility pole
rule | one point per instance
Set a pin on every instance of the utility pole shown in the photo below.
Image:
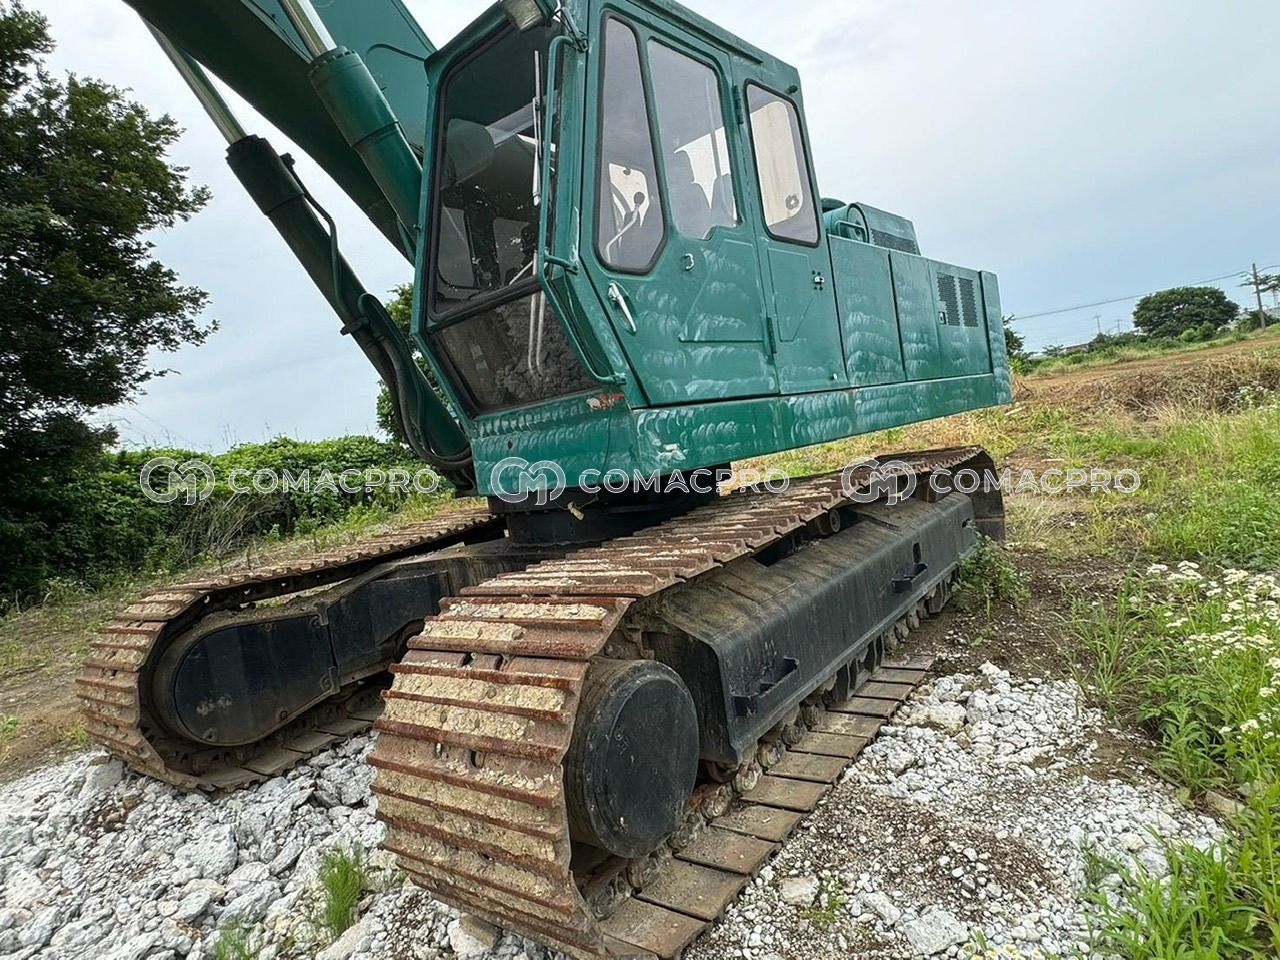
(1257, 289)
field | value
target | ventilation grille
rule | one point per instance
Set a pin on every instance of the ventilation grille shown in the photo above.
(949, 312)
(968, 303)
(894, 242)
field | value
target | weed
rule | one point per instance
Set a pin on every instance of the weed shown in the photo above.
(1216, 903)
(987, 577)
(1114, 654)
(344, 878)
(8, 727)
(78, 737)
(829, 905)
(1097, 867)
(237, 942)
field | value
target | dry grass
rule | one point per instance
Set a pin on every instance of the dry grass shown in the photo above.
(1218, 384)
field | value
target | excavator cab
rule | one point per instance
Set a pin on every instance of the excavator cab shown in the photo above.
(625, 245)
(598, 216)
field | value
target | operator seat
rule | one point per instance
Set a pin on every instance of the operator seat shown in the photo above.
(724, 208)
(690, 208)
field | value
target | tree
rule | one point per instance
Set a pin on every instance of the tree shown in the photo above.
(1014, 343)
(400, 308)
(84, 180)
(1171, 313)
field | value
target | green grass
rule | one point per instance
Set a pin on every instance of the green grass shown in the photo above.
(236, 942)
(988, 576)
(78, 737)
(1195, 656)
(829, 906)
(1097, 867)
(1218, 903)
(1112, 656)
(344, 879)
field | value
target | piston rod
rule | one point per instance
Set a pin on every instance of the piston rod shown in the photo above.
(315, 36)
(212, 101)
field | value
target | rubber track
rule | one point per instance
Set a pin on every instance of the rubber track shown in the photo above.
(476, 725)
(110, 685)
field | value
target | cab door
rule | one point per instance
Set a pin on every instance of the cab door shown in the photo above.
(809, 352)
(665, 241)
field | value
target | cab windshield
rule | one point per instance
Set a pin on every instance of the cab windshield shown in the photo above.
(490, 322)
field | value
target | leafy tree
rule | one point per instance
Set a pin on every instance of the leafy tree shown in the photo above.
(1171, 313)
(400, 307)
(84, 180)
(1014, 343)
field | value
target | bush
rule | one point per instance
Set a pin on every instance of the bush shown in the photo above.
(987, 577)
(93, 523)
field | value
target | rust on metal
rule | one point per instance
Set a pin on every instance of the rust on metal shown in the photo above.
(474, 834)
(110, 681)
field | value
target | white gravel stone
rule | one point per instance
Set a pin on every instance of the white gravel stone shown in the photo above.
(880, 904)
(347, 944)
(101, 777)
(933, 932)
(948, 717)
(471, 939)
(985, 824)
(799, 891)
(213, 855)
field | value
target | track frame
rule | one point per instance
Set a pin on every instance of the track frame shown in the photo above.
(469, 760)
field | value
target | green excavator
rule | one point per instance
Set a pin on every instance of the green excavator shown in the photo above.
(599, 705)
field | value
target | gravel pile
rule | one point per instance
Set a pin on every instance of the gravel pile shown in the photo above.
(974, 811)
(974, 818)
(98, 863)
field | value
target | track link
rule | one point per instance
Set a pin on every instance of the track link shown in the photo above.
(480, 715)
(112, 683)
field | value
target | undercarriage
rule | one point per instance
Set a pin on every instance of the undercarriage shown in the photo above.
(595, 744)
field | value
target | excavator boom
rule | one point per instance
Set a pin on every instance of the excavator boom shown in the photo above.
(254, 48)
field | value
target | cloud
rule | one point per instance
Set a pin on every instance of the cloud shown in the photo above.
(1082, 151)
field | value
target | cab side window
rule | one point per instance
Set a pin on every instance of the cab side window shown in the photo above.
(631, 225)
(782, 167)
(695, 149)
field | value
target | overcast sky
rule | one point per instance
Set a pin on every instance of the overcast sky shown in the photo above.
(1083, 151)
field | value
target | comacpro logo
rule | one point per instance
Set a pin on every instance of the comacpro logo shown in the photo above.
(515, 480)
(871, 480)
(164, 480)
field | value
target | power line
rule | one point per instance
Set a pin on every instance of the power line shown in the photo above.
(1104, 303)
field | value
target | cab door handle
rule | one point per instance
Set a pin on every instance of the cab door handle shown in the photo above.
(619, 300)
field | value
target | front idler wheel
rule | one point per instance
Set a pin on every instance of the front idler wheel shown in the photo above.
(633, 761)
